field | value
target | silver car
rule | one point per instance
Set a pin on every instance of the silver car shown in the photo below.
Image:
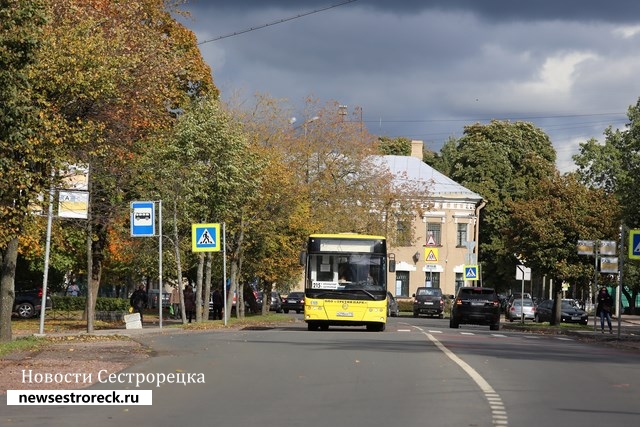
(515, 310)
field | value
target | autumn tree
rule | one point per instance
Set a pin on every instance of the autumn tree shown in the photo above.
(547, 223)
(109, 75)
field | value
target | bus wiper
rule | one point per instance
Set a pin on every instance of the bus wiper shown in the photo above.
(373, 297)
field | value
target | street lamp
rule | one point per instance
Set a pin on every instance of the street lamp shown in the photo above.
(304, 126)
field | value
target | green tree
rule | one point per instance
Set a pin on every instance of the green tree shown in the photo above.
(503, 162)
(26, 160)
(394, 146)
(614, 167)
(546, 225)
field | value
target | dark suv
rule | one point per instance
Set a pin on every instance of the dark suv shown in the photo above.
(428, 301)
(476, 306)
(28, 302)
(293, 301)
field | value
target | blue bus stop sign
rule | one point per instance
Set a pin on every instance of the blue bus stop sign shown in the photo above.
(143, 219)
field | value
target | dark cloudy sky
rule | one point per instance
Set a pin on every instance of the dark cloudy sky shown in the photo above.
(424, 69)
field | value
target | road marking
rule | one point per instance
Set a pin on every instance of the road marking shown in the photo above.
(467, 333)
(564, 339)
(404, 330)
(498, 411)
(435, 332)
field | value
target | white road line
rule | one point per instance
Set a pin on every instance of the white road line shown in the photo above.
(467, 333)
(498, 412)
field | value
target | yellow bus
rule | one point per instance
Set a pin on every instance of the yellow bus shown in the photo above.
(346, 281)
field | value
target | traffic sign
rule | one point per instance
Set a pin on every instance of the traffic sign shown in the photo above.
(634, 244)
(205, 237)
(470, 272)
(431, 254)
(143, 219)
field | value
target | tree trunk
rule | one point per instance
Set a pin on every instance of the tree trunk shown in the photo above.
(207, 286)
(199, 282)
(176, 246)
(7, 288)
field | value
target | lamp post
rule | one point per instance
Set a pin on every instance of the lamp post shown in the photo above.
(304, 126)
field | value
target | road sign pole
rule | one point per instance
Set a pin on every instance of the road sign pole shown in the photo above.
(224, 270)
(160, 299)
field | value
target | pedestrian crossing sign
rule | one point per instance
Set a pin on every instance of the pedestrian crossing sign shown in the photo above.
(634, 244)
(205, 237)
(470, 272)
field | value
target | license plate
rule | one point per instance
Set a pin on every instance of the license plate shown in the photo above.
(429, 302)
(344, 314)
(576, 318)
(477, 302)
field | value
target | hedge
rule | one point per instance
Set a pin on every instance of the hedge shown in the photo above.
(69, 303)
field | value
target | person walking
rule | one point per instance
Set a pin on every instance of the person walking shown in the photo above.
(138, 300)
(217, 303)
(603, 309)
(174, 301)
(189, 302)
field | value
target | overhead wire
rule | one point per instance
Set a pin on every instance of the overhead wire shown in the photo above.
(279, 21)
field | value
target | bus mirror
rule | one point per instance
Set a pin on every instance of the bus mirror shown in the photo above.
(303, 258)
(392, 263)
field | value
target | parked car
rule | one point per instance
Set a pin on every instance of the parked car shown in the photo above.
(293, 301)
(476, 306)
(514, 296)
(275, 304)
(516, 310)
(393, 310)
(28, 302)
(428, 301)
(569, 313)
(152, 298)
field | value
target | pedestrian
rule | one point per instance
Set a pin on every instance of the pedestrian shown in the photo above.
(73, 289)
(216, 304)
(603, 309)
(189, 302)
(174, 301)
(138, 300)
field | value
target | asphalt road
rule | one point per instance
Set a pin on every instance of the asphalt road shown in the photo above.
(416, 373)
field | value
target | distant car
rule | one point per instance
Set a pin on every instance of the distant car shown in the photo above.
(476, 306)
(514, 296)
(293, 301)
(393, 310)
(152, 298)
(515, 310)
(28, 302)
(275, 304)
(569, 313)
(428, 301)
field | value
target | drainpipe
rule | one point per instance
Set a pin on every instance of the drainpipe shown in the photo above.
(480, 205)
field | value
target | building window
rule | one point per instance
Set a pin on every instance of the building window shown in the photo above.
(403, 229)
(402, 278)
(461, 235)
(434, 230)
(432, 280)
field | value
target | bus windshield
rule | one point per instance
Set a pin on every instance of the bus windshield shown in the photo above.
(362, 275)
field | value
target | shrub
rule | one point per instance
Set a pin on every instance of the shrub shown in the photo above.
(69, 303)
